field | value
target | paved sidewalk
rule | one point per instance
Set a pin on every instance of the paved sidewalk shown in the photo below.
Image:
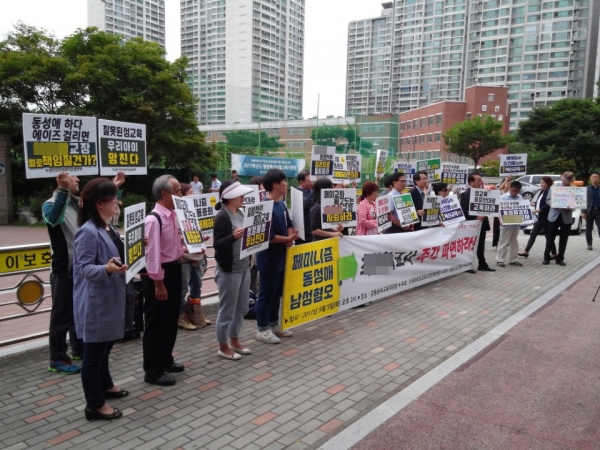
(296, 395)
(537, 387)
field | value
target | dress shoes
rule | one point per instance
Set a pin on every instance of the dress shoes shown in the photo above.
(561, 263)
(471, 271)
(116, 394)
(175, 368)
(486, 269)
(163, 380)
(546, 262)
(92, 414)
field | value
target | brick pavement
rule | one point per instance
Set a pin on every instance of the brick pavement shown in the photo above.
(296, 395)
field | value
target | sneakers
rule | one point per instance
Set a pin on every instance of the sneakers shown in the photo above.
(590, 247)
(500, 263)
(67, 368)
(76, 357)
(268, 337)
(286, 333)
(515, 263)
(185, 323)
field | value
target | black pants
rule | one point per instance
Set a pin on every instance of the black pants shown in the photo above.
(482, 264)
(161, 321)
(61, 319)
(95, 376)
(592, 217)
(562, 230)
(537, 227)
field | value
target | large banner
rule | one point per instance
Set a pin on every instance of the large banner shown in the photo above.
(298, 212)
(122, 148)
(433, 168)
(513, 164)
(321, 162)
(346, 168)
(455, 174)
(483, 202)
(54, 143)
(135, 250)
(568, 196)
(338, 206)
(248, 165)
(370, 268)
(189, 225)
(257, 228)
(204, 205)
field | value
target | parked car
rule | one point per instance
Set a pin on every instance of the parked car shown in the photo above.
(535, 179)
(578, 222)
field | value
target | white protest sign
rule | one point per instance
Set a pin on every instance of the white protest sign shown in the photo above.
(53, 143)
(338, 206)
(135, 250)
(407, 214)
(253, 197)
(188, 224)
(450, 211)
(483, 202)
(257, 228)
(380, 161)
(383, 213)
(513, 164)
(568, 196)
(204, 204)
(431, 209)
(513, 212)
(455, 174)
(346, 167)
(408, 169)
(321, 163)
(433, 168)
(122, 148)
(298, 212)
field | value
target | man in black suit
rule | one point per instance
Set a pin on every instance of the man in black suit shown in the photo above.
(475, 183)
(418, 194)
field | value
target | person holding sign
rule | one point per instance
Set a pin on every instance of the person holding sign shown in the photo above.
(592, 213)
(398, 181)
(232, 273)
(418, 194)
(559, 223)
(316, 222)
(99, 295)
(509, 233)
(271, 262)
(367, 211)
(542, 208)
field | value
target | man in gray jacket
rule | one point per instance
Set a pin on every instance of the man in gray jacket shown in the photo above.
(559, 223)
(592, 213)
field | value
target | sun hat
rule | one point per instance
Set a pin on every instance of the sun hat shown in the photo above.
(235, 190)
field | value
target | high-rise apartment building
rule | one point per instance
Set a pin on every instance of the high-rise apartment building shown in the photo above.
(246, 58)
(542, 50)
(129, 18)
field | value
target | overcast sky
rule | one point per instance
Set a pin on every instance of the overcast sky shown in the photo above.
(326, 33)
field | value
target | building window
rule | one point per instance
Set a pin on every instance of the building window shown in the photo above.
(422, 122)
(429, 137)
(438, 137)
(490, 97)
(438, 119)
(416, 124)
(430, 120)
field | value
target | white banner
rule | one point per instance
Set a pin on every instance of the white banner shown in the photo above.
(513, 164)
(298, 212)
(483, 202)
(383, 213)
(563, 196)
(374, 267)
(338, 206)
(135, 250)
(257, 228)
(188, 224)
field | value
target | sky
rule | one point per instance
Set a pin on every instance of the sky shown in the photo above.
(326, 34)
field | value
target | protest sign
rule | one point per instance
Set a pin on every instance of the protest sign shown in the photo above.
(483, 202)
(380, 161)
(253, 197)
(568, 196)
(257, 226)
(122, 148)
(338, 206)
(346, 167)
(250, 166)
(431, 209)
(321, 163)
(408, 169)
(53, 143)
(433, 168)
(455, 174)
(515, 212)
(298, 212)
(188, 224)
(332, 275)
(204, 205)
(513, 164)
(450, 211)
(407, 214)
(135, 250)
(383, 213)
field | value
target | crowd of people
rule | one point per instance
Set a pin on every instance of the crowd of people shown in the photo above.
(88, 271)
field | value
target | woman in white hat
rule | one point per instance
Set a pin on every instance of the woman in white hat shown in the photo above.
(232, 273)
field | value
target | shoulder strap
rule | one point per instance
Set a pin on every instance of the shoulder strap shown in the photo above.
(157, 218)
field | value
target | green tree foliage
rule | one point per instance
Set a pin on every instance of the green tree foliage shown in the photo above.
(94, 73)
(476, 138)
(491, 168)
(329, 135)
(567, 134)
(541, 161)
(249, 140)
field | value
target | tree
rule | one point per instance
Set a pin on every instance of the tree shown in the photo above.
(94, 73)
(476, 137)
(567, 131)
(250, 140)
(329, 136)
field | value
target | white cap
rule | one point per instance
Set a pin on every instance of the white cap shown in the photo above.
(235, 190)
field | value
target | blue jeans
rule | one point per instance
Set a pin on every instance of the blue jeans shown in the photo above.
(95, 376)
(190, 278)
(267, 305)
